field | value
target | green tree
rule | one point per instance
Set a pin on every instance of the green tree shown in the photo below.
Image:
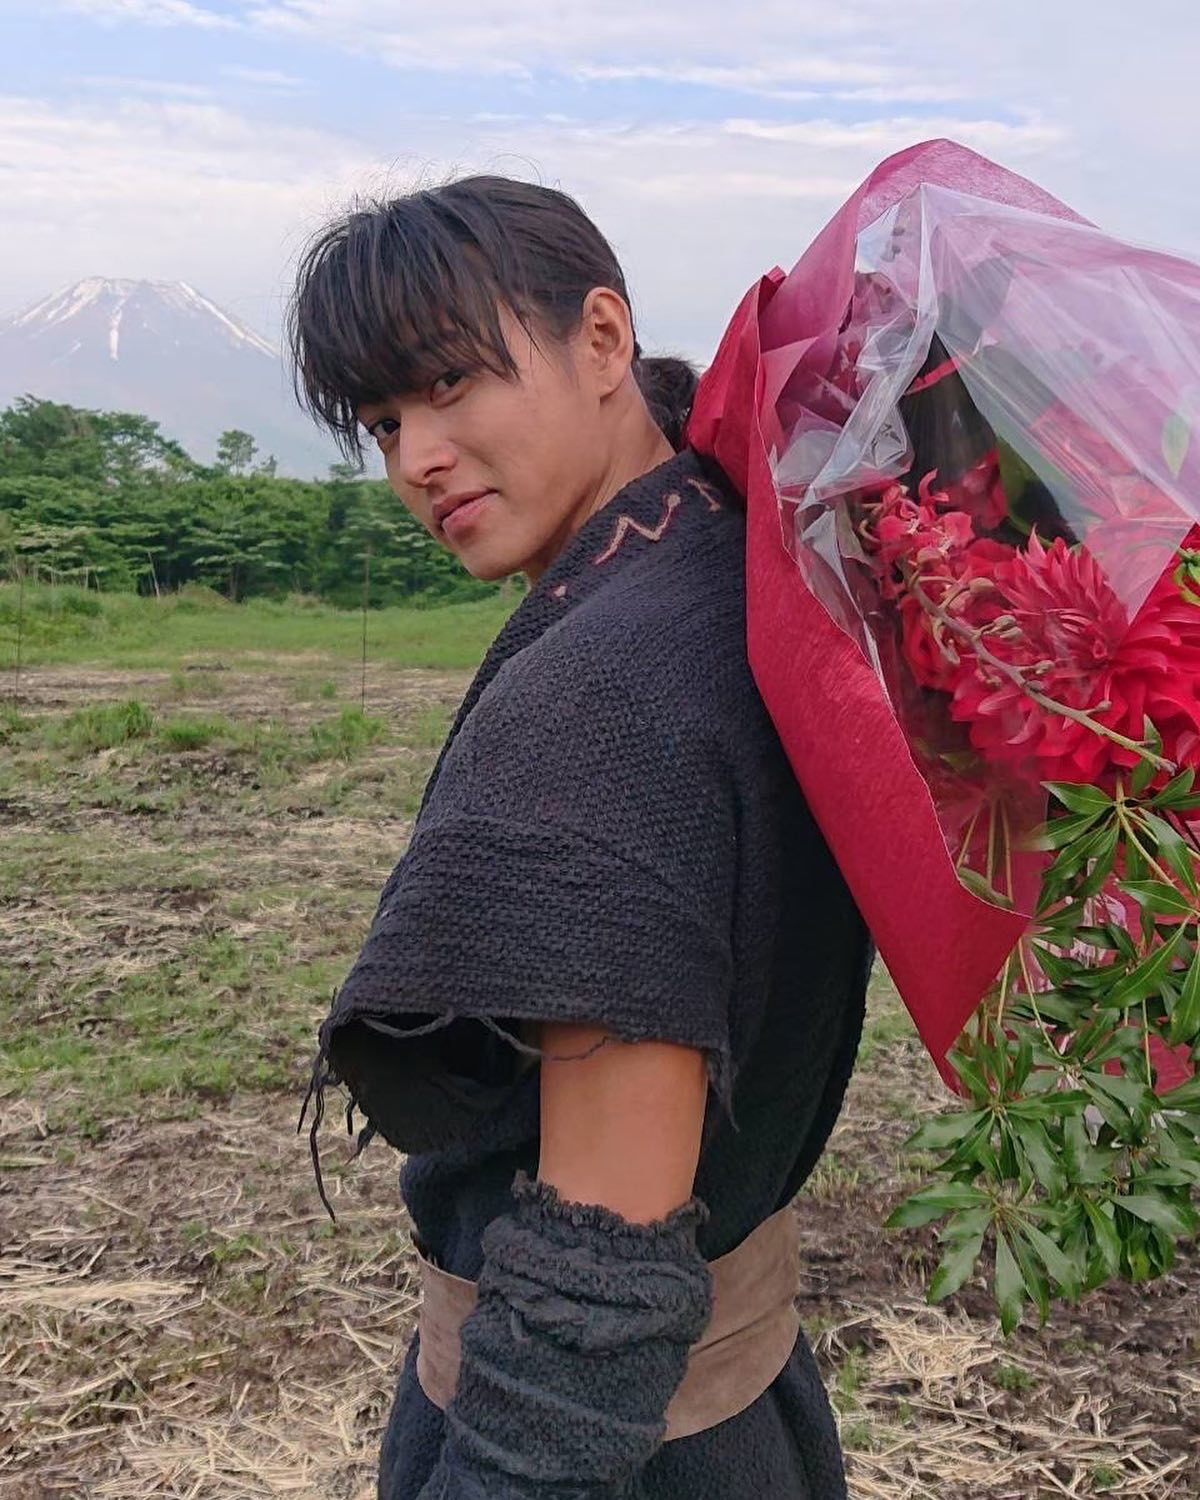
(235, 451)
(107, 497)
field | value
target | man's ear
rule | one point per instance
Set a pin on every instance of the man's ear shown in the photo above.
(606, 338)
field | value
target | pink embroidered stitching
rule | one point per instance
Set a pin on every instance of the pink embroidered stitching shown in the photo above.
(708, 492)
(626, 524)
(560, 592)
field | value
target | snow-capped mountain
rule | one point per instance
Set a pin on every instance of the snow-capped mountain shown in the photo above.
(163, 349)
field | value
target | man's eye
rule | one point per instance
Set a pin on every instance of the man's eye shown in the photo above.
(383, 428)
(447, 382)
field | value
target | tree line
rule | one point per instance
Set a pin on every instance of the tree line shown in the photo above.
(104, 499)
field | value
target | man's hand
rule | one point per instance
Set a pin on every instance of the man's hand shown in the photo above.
(622, 1126)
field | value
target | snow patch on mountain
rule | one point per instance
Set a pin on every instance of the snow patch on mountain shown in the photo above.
(164, 349)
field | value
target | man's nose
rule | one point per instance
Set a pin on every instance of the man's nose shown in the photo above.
(423, 450)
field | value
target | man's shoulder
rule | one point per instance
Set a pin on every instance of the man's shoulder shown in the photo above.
(663, 646)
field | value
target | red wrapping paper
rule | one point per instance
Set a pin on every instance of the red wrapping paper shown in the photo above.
(943, 945)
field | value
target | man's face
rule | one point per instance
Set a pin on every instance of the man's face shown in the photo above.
(499, 469)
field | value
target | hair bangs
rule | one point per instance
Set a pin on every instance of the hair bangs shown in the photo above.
(388, 300)
(399, 291)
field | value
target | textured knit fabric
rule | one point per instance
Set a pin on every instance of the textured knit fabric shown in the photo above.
(611, 834)
(579, 1338)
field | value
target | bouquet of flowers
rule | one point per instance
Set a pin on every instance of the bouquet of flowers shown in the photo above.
(964, 428)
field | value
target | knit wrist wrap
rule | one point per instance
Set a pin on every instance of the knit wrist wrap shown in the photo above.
(578, 1341)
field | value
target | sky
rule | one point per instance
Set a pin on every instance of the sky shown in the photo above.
(205, 140)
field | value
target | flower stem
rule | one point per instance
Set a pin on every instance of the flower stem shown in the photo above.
(966, 843)
(1031, 991)
(1008, 869)
(1123, 818)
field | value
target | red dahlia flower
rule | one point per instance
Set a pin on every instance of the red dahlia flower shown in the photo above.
(1074, 643)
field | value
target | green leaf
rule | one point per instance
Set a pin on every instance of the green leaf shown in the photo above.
(1050, 1006)
(1158, 896)
(1043, 1161)
(1136, 867)
(1177, 792)
(1180, 1143)
(1057, 967)
(1057, 832)
(944, 1130)
(1143, 775)
(1185, 1017)
(1162, 1251)
(1022, 1065)
(1079, 799)
(971, 1074)
(1075, 1240)
(1131, 1094)
(1104, 1236)
(1176, 439)
(1142, 980)
(1102, 859)
(1136, 1255)
(932, 1202)
(964, 1223)
(1074, 857)
(1084, 1163)
(978, 885)
(1099, 937)
(1174, 849)
(1035, 1278)
(1050, 1105)
(1157, 1211)
(1184, 1096)
(1181, 1176)
(974, 1151)
(1010, 1289)
(955, 1265)
(1053, 1259)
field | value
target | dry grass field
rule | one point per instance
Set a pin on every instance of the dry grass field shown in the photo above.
(189, 855)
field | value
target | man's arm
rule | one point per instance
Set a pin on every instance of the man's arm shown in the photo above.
(621, 1125)
(593, 1288)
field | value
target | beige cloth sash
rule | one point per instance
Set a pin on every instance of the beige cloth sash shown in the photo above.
(749, 1336)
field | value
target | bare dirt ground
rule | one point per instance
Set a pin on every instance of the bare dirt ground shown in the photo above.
(179, 1318)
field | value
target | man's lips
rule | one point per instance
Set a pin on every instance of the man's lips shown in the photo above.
(459, 510)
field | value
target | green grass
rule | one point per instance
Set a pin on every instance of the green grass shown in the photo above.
(227, 1012)
(192, 734)
(65, 624)
(850, 1373)
(272, 743)
(1012, 1378)
(99, 727)
(888, 1023)
(1105, 1476)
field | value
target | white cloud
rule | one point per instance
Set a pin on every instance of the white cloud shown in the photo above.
(150, 12)
(750, 77)
(183, 189)
(163, 88)
(707, 41)
(162, 189)
(997, 137)
(1103, 114)
(266, 78)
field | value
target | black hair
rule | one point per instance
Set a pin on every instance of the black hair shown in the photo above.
(391, 294)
